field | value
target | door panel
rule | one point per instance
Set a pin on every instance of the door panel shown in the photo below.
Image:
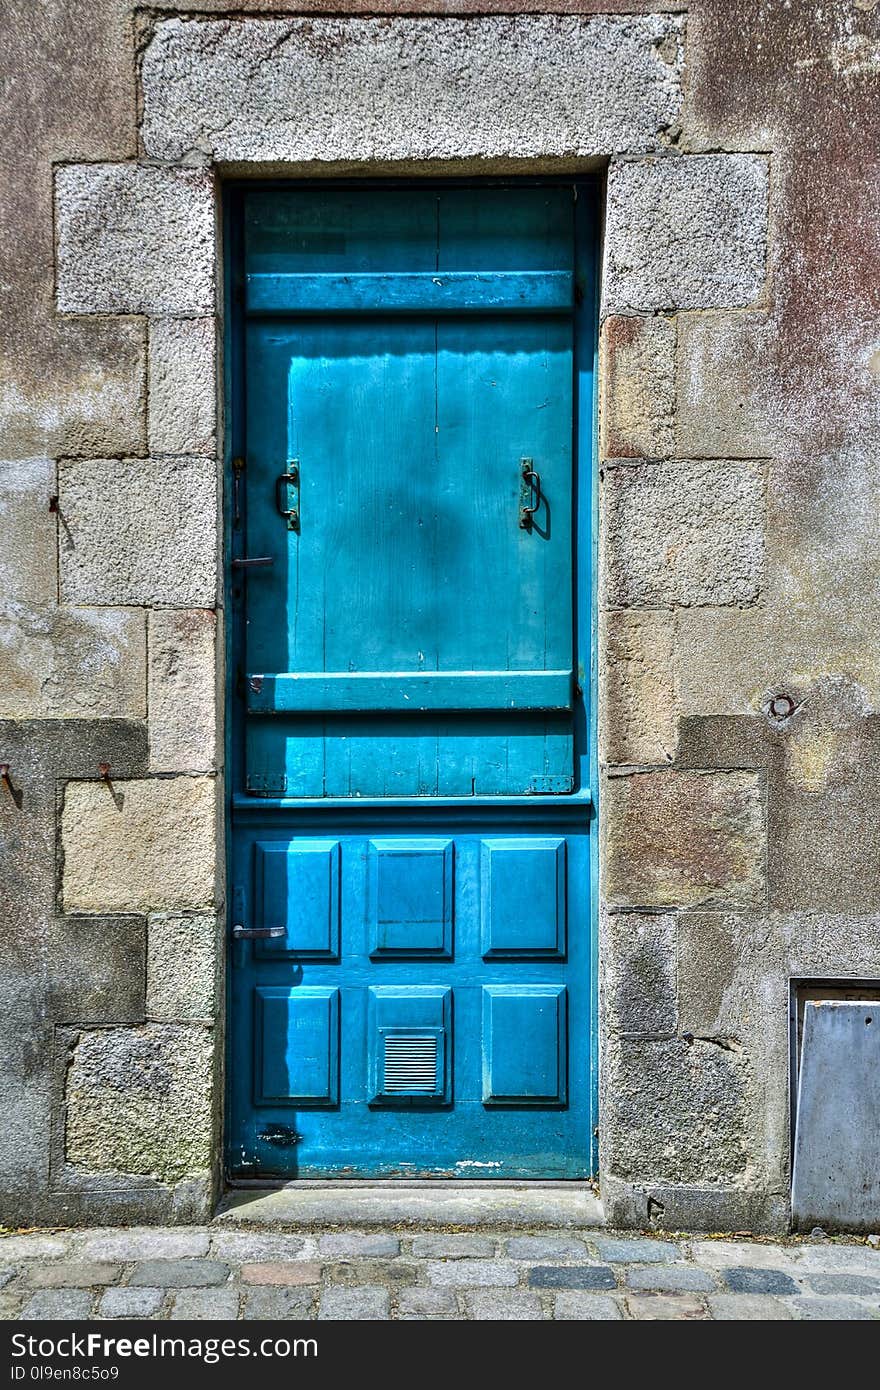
(409, 837)
(410, 556)
(420, 756)
(450, 1060)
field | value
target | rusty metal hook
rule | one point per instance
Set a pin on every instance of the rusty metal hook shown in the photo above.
(6, 779)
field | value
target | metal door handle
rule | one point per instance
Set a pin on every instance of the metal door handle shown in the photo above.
(289, 480)
(240, 933)
(530, 487)
(253, 562)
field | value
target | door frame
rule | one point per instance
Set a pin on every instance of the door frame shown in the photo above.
(589, 221)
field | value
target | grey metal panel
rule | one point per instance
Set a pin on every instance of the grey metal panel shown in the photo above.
(836, 1180)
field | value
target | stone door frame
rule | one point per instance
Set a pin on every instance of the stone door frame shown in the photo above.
(487, 95)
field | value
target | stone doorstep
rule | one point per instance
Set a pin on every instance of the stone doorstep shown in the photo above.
(430, 1206)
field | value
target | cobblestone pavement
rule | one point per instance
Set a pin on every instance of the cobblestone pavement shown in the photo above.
(208, 1274)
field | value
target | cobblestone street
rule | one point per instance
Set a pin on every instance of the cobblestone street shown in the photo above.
(208, 1273)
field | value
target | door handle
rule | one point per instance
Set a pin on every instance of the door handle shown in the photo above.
(240, 933)
(253, 562)
(290, 481)
(530, 487)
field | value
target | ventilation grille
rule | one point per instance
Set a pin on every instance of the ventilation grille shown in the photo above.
(410, 1064)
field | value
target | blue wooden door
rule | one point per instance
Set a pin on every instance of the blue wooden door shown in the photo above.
(410, 862)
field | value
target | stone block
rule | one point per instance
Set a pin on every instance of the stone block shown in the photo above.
(33, 1247)
(636, 1251)
(641, 974)
(28, 556)
(281, 1272)
(96, 969)
(725, 378)
(243, 1246)
(72, 663)
(672, 1307)
(82, 1274)
(684, 838)
(268, 1303)
(134, 239)
(139, 532)
(326, 89)
(701, 1205)
(182, 966)
(39, 753)
(453, 1247)
(832, 1309)
(670, 1279)
(179, 1274)
(637, 410)
(726, 1254)
(137, 845)
(732, 1307)
(182, 386)
(573, 1305)
(638, 715)
(393, 1274)
(10, 1304)
(130, 1303)
(58, 1305)
(140, 1101)
(683, 533)
(741, 1279)
(206, 1305)
(685, 233)
(362, 1304)
(720, 955)
(71, 388)
(572, 1277)
(681, 1111)
(471, 1273)
(825, 1258)
(356, 1246)
(545, 1248)
(859, 1285)
(491, 1306)
(142, 1244)
(182, 691)
(824, 852)
(427, 1303)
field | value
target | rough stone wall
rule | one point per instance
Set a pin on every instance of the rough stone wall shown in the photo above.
(740, 416)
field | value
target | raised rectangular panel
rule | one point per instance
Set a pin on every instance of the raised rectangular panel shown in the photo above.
(525, 1045)
(410, 898)
(410, 1060)
(296, 1051)
(297, 887)
(522, 898)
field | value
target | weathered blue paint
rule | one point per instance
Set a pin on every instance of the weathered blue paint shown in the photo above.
(418, 691)
(450, 292)
(410, 750)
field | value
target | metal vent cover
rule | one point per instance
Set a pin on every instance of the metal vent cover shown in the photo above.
(410, 1064)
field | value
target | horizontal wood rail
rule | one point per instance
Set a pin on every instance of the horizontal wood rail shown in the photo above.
(425, 292)
(442, 691)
